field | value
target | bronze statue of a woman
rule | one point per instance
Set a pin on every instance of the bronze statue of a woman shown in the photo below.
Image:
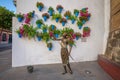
(65, 53)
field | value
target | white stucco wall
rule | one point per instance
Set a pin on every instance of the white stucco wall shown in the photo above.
(29, 52)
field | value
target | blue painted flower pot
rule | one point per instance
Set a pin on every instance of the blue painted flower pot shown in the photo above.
(83, 21)
(44, 30)
(80, 27)
(20, 19)
(45, 18)
(39, 25)
(53, 27)
(77, 37)
(20, 35)
(33, 14)
(39, 38)
(63, 23)
(40, 8)
(50, 12)
(49, 48)
(76, 14)
(60, 10)
(88, 17)
(67, 17)
(57, 19)
(73, 21)
(56, 35)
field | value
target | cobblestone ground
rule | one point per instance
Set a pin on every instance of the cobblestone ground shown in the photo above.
(81, 71)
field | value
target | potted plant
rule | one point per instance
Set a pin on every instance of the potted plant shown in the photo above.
(67, 14)
(40, 6)
(52, 27)
(31, 32)
(50, 11)
(28, 17)
(46, 37)
(30, 69)
(78, 35)
(79, 24)
(39, 36)
(83, 19)
(63, 21)
(57, 17)
(59, 8)
(76, 12)
(44, 28)
(86, 32)
(56, 33)
(20, 32)
(49, 45)
(39, 23)
(68, 31)
(45, 16)
(20, 17)
(73, 19)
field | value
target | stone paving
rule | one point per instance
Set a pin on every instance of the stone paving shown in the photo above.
(81, 71)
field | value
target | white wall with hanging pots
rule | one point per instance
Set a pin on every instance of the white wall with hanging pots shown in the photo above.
(32, 52)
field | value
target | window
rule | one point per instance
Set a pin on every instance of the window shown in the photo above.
(4, 37)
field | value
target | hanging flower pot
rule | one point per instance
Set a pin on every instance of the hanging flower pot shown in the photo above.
(78, 35)
(40, 6)
(20, 35)
(76, 12)
(50, 11)
(86, 32)
(44, 28)
(63, 21)
(50, 48)
(67, 14)
(80, 24)
(49, 45)
(39, 38)
(45, 16)
(56, 35)
(20, 17)
(59, 8)
(33, 14)
(83, 21)
(73, 19)
(39, 23)
(56, 17)
(52, 28)
(67, 17)
(80, 27)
